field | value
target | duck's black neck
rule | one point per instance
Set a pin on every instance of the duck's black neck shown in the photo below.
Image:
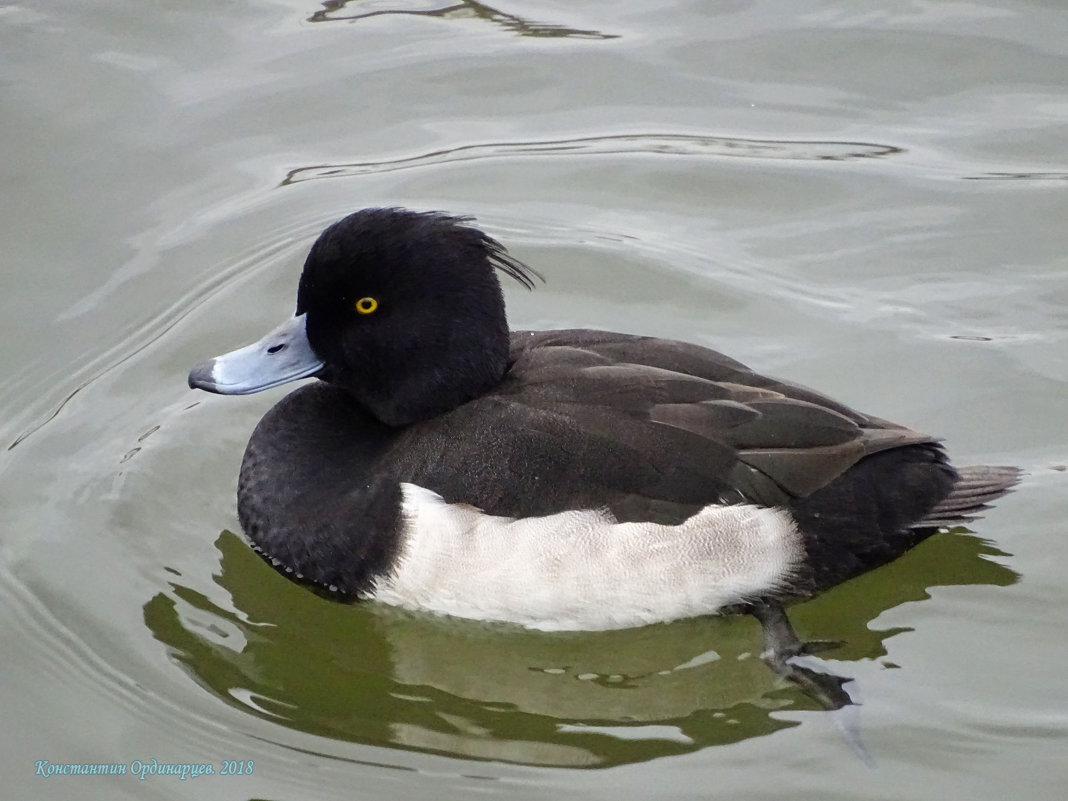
(407, 382)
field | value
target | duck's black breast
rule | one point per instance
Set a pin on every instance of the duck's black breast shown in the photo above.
(650, 429)
(310, 497)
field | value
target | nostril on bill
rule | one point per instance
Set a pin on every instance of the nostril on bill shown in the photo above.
(275, 348)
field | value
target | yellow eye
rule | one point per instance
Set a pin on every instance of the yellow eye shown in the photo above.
(366, 305)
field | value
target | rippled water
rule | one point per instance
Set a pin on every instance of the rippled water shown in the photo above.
(870, 202)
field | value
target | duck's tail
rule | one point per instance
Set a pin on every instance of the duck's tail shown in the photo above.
(976, 487)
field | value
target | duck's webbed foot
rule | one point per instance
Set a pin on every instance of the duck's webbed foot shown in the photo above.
(782, 647)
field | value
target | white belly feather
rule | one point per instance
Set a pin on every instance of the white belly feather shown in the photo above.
(582, 570)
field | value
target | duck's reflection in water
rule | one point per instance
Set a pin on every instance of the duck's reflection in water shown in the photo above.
(375, 675)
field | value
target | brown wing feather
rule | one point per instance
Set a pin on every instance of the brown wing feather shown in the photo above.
(772, 440)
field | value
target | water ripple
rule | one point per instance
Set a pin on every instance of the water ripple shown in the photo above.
(1018, 176)
(152, 328)
(647, 144)
(466, 9)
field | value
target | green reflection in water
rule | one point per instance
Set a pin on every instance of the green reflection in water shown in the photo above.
(374, 675)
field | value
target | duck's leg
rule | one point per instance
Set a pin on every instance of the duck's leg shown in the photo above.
(781, 650)
(782, 646)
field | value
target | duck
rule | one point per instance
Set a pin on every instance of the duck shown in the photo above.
(559, 479)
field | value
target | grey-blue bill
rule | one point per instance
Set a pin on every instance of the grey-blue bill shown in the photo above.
(283, 355)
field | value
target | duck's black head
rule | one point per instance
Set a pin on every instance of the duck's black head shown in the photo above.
(402, 309)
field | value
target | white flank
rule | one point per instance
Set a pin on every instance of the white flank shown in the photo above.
(582, 570)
